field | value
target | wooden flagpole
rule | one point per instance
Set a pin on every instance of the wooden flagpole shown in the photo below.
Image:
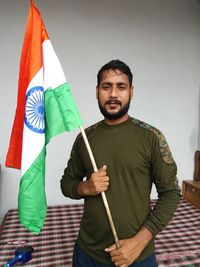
(103, 195)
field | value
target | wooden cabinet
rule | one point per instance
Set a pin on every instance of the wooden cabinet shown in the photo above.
(191, 192)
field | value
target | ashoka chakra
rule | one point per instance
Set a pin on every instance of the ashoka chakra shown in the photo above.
(34, 109)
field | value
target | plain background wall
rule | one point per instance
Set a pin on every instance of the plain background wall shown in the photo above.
(159, 39)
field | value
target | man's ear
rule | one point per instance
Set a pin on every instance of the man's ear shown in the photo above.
(132, 91)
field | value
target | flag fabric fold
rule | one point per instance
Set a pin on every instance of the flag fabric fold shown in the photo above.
(45, 108)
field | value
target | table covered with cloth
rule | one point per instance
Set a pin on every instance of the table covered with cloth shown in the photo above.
(177, 245)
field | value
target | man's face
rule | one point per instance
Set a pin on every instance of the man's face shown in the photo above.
(114, 94)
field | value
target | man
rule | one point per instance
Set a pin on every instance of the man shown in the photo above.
(131, 155)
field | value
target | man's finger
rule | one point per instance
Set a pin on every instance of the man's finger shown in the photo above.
(103, 168)
(111, 248)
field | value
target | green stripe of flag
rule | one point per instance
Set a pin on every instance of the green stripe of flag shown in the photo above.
(32, 199)
(61, 113)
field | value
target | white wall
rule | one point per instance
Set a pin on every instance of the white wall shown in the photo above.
(159, 39)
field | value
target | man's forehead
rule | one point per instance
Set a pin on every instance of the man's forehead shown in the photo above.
(113, 73)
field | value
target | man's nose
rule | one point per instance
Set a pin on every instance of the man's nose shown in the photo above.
(113, 92)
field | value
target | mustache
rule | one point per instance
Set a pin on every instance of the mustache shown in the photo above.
(113, 101)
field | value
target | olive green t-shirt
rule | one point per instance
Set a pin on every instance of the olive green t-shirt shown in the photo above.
(136, 155)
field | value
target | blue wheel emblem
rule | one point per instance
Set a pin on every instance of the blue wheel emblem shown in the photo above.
(34, 109)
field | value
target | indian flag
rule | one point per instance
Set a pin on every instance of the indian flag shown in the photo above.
(45, 108)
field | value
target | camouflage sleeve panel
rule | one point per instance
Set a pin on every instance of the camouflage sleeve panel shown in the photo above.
(164, 147)
(163, 175)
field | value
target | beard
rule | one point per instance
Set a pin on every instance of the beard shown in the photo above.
(114, 116)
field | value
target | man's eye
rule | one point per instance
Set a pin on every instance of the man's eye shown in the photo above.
(106, 87)
(122, 87)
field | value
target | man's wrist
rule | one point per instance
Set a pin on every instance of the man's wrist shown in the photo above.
(82, 189)
(144, 236)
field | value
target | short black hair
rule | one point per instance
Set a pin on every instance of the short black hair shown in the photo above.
(115, 64)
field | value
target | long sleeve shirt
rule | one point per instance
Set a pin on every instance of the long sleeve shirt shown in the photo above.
(137, 155)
